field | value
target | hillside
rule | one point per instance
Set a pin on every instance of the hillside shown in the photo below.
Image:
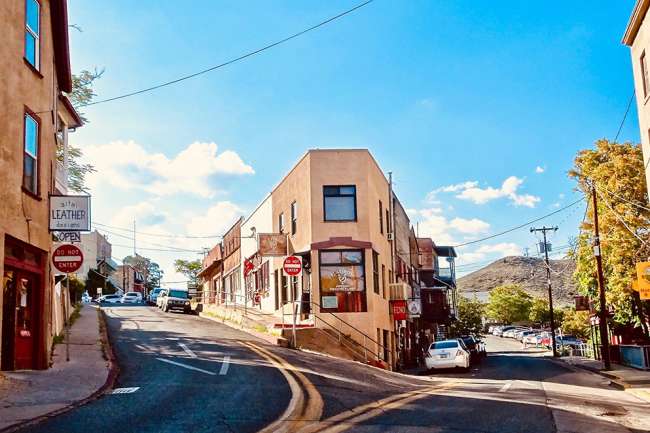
(530, 272)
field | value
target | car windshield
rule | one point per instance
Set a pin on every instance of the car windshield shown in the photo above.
(444, 345)
(178, 294)
(131, 294)
(156, 291)
(468, 340)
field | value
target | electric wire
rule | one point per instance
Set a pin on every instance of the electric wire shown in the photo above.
(627, 110)
(231, 61)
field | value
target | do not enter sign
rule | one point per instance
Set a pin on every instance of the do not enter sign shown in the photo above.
(67, 258)
(292, 266)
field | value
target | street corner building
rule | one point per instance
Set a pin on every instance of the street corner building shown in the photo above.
(359, 293)
(35, 119)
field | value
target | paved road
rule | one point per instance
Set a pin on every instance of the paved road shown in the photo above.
(195, 375)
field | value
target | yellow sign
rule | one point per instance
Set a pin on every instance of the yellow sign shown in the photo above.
(635, 285)
(643, 275)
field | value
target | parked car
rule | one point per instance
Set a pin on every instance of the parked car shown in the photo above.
(132, 298)
(153, 296)
(520, 335)
(109, 299)
(176, 299)
(447, 354)
(533, 339)
(475, 346)
(161, 297)
(500, 330)
(85, 298)
(568, 340)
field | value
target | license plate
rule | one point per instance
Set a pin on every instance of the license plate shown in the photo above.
(444, 355)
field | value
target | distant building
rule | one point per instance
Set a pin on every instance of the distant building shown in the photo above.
(96, 249)
(637, 37)
(129, 279)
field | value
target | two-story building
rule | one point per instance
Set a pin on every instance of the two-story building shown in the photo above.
(35, 118)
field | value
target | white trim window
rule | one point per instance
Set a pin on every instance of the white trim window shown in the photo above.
(33, 32)
(30, 159)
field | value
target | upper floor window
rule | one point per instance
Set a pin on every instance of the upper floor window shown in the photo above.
(281, 223)
(381, 219)
(340, 203)
(32, 32)
(294, 217)
(30, 167)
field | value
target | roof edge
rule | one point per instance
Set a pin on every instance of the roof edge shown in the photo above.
(636, 19)
(59, 16)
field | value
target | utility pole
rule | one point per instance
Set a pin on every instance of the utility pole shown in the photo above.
(602, 322)
(545, 229)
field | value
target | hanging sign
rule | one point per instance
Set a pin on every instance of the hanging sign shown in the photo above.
(70, 213)
(644, 292)
(415, 308)
(67, 236)
(399, 310)
(272, 244)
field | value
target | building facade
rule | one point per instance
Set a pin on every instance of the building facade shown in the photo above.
(637, 37)
(96, 249)
(34, 122)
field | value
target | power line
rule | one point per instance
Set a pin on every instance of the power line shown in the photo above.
(160, 235)
(159, 249)
(520, 226)
(627, 110)
(231, 61)
(149, 242)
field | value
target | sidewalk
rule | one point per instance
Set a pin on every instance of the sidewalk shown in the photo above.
(31, 394)
(629, 379)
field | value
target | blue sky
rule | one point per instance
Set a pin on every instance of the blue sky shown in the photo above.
(442, 93)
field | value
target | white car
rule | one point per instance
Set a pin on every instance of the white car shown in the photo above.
(109, 299)
(447, 354)
(132, 298)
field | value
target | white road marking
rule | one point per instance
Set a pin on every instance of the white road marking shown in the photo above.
(187, 350)
(506, 387)
(225, 365)
(125, 390)
(189, 367)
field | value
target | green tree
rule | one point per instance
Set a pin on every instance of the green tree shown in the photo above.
(576, 323)
(189, 268)
(82, 93)
(470, 317)
(540, 312)
(617, 172)
(148, 268)
(508, 303)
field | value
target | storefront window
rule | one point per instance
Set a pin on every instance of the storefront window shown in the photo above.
(342, 281)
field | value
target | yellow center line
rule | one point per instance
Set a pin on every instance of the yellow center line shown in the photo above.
(301, 409)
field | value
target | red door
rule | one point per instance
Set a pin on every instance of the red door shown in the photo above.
(19, 321)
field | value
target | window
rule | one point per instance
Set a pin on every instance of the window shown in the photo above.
(383, 279)
(294, 217)
(644, 74)
(281, 223)
(387, 221)
(340, 203)
(32, 32)
(375, 272)
(30, 167)
(381, 219)
(342, 281)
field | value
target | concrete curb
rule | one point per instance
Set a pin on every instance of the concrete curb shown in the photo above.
(614, 380)
(113, 371)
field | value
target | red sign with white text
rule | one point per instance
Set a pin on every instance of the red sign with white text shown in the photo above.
(67, 258)
(292, 266)
(399, 310)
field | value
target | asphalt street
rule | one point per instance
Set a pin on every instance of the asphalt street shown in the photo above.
(182, 373)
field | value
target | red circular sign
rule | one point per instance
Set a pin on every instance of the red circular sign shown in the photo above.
(292, 265)
(67, 258)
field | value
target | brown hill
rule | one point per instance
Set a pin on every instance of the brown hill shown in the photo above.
(529, 272)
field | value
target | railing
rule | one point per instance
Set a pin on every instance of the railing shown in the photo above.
(583, 349)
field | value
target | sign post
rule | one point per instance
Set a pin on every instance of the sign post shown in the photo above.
(67, 259)
(293, 267)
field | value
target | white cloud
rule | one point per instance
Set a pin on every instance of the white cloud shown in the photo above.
(470, 191)
(431, 196)
(216, 220)
(503, 249)
(471, 226)
(129, 166)
(539, 170)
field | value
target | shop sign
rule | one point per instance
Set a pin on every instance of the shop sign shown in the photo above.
(69, 237)
(415, 308)
(644, 292)
(342, 278)
(582, 303)
(272, 244)
(70, 213)
(399, 310)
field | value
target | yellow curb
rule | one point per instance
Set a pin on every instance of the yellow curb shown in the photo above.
(642, 393)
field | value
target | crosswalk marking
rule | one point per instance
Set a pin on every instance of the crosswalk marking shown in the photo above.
(125, 390)
(225, 365)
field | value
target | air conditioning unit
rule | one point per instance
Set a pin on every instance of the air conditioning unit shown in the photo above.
(389, 236)
(399, 291)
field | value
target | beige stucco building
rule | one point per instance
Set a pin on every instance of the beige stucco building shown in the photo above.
(34, 120)
(637, 37)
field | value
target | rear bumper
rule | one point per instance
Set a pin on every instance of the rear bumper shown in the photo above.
(445, 363)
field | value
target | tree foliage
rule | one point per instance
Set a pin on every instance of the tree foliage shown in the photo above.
(576, 323)
(148, 268)
(470, 317)
(540, 313)
(189, 268)
(82, 93)
(617, 172)
(508, 304)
